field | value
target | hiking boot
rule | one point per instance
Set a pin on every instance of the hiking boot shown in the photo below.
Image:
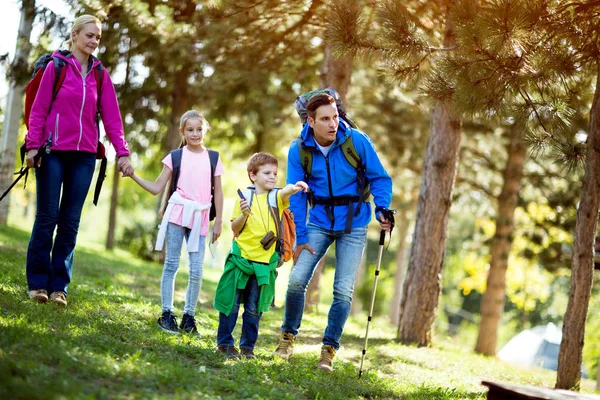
(39, 295)
(285, 349)
(58, 298)
(229, 351)
(188, 324)
(168, 323)
(248, 353)
(326, 360)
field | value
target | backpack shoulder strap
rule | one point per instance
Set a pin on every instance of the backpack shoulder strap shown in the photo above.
(60, 72)
(350, 152)
(176, 163)
(306, 159)
(214, 159)
(274, 207)
(249, 194)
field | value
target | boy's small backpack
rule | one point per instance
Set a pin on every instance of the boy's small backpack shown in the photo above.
(176, 161)
(285, 225)
(348, 149)
(60, 73)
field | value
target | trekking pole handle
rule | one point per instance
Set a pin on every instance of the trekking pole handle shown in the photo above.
(381, 237)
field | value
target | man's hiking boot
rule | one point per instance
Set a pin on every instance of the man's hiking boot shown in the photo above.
(286, 346)
(326, 360)
(247, 353)
(168, 322)
(59, 298)
(188, 324)
(39, 295)
(229, 351)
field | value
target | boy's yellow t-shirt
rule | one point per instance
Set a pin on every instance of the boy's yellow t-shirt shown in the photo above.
(257, 225)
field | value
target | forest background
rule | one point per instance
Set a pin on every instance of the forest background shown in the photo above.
(480, 111)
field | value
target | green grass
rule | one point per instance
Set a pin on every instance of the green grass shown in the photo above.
(106, 344)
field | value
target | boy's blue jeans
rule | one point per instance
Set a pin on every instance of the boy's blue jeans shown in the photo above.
(62, 184)
(250, 318)
(348, 253)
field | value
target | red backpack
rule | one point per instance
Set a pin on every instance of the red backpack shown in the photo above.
(59, 77)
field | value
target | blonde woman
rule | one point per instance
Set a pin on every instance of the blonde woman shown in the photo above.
(64, 121)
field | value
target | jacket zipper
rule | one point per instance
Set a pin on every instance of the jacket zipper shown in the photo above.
(330, 190)
(56, 129)
(83, 76)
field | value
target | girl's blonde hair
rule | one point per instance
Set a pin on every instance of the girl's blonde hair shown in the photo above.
(191, 114)
(78, 25)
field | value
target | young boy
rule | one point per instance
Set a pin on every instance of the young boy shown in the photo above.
(250, 268)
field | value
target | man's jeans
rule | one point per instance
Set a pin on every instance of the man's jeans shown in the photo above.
(70, 172)
(175, 235)
(348, 253)
(250, 318)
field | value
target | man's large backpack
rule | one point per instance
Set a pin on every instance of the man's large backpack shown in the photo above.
(60, 73)
(176, 162)
(284, 225)
(306, 156)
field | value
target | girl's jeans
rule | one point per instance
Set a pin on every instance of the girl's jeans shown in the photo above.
(348, 253)
(70, 172)
(250, 318)
(175, 235)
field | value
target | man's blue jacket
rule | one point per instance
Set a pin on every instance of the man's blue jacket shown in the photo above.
(333, 176)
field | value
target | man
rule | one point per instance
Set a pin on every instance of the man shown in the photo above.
(340, 213)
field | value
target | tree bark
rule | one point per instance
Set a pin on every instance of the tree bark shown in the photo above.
(401, 264)
(492, 303)
(14, 103)
(582, 267)
(112, 215)
(335, 73)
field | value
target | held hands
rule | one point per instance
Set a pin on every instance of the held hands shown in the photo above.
(29, 160)
(125, 167)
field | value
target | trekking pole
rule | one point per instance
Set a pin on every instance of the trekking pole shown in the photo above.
(389, 215)
(22, 172)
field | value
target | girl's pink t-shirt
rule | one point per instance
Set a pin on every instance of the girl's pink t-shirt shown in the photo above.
(193, 183)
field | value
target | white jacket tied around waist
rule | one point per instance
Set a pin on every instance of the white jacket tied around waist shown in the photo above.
(191, 209)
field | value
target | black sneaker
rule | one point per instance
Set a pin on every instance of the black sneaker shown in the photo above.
(188, 324)
(168, 322)
(229, 351)
(247, 353)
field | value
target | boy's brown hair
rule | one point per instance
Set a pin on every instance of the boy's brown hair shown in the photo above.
(317, 101)
(258, 160)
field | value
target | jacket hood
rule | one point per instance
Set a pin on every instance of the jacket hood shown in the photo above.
(308, 138)
(66, 56)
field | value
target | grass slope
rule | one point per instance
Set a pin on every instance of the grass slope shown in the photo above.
(106, 344)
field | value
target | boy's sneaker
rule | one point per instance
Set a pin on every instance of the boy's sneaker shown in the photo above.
(58, 298)
(188, 324)
(248, 353)
(39, 295)
(168, 322)
(326, 360)
(229, 351)
(286, 345)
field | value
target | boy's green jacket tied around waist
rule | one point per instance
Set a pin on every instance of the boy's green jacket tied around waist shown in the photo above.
(235, 276)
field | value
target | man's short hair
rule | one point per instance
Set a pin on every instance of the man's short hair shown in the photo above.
(258, 160)
(317, 101)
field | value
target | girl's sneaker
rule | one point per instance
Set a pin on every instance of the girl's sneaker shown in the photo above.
(168, 322)
(188, 324)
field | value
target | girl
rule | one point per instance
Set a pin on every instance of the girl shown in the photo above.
(186, 215)
(67, 124)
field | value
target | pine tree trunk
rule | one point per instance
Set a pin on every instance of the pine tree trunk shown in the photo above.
(14, 104)
(335, 73)
(492, 303)
(582, 265)
(423, 281)
(112, 216)
(401, 264)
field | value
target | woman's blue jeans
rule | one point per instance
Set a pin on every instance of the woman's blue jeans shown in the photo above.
(250, 318)
(62, 184)
(349, 248)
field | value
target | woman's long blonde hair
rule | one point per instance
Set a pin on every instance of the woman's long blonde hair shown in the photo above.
(78, 25)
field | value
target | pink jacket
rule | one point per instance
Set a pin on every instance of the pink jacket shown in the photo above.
(70, 120)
